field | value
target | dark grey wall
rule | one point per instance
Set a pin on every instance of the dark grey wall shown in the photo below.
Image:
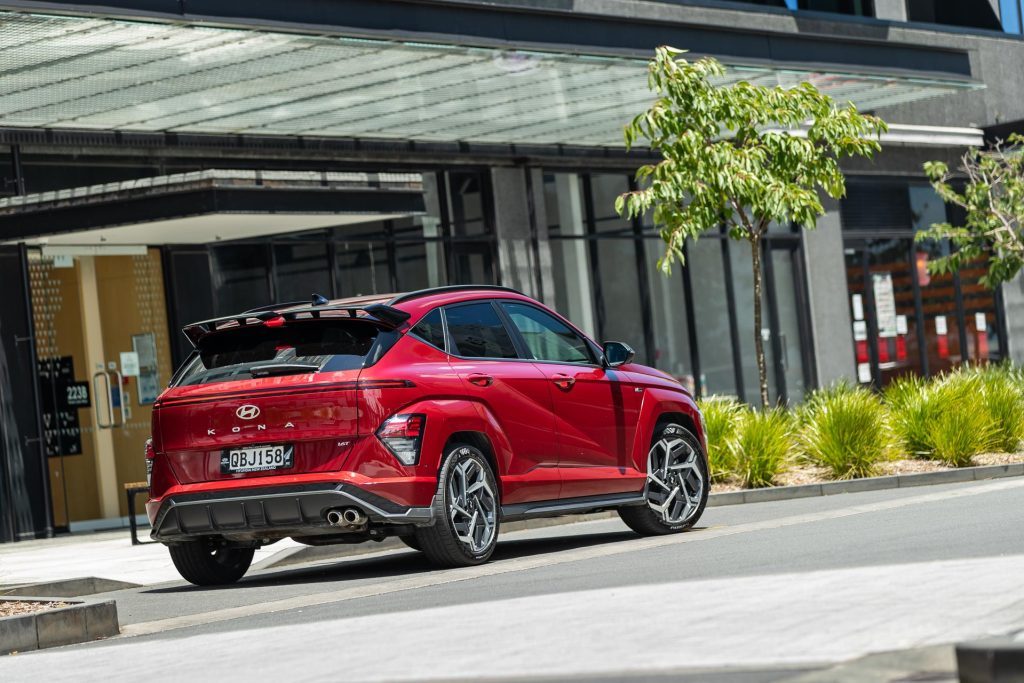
(827, 290)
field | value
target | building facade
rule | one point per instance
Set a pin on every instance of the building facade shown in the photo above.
(171, 162)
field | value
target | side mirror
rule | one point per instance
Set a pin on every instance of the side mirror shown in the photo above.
(617, 353)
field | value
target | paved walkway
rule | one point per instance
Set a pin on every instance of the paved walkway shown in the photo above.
(106, 555)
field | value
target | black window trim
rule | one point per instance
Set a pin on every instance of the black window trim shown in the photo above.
(520, 340)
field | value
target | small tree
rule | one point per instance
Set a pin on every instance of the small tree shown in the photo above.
(742, 155)
(993, 206)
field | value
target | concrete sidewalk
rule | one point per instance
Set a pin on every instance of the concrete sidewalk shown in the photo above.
(107, 555)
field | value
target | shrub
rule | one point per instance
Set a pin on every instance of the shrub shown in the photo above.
(910, 414)
(947, 419)
(1003, 394)
(722, 416)
(764, 446)
(845, 428)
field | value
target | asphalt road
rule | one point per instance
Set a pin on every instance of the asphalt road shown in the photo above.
(760, 592)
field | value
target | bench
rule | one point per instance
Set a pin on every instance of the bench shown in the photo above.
(131, 490)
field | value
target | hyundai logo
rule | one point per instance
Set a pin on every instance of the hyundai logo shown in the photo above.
(247, 412)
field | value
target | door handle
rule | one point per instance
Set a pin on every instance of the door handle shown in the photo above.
(480, 380)
(101, 374)
(563, 381)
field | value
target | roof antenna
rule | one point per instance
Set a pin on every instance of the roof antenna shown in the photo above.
(320, 300)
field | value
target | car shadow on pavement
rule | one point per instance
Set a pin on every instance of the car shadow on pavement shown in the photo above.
(400, 563)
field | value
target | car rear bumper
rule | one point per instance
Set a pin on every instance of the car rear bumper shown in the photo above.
(295, 510)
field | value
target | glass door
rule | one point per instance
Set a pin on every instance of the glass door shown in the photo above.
(102, 357)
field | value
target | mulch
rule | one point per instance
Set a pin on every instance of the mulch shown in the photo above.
(805, 473)
(11, 608)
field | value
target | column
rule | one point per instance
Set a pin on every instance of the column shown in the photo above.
(1013, 309)
(516, 257)
(829, 298)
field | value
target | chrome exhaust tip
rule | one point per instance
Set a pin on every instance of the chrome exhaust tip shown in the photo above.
(348, 518)
(335, 518)
(354, 517)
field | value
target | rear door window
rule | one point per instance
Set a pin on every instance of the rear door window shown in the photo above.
(294, 348)
(476, 331)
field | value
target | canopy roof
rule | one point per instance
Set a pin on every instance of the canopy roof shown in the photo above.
(109, 74)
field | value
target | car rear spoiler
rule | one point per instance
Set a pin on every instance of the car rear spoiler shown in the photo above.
(387, 316)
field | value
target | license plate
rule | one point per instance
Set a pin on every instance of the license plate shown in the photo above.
(256, 459)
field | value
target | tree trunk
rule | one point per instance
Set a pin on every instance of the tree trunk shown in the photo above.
(762, 368)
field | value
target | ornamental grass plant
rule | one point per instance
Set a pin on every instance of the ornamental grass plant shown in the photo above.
(845, 429)
(722, 417)
(765, 446)
(949, 418)
(1003, 393)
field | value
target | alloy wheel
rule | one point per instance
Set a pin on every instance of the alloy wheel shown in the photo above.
(675, 481)
(472, 506)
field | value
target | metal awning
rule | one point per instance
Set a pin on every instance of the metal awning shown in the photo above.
(207, 207)
(106, 74)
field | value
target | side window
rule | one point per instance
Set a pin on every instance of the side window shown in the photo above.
(546, 337)
(476, 331)
(430, 329)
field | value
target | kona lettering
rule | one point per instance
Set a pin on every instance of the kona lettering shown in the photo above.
(211, 432)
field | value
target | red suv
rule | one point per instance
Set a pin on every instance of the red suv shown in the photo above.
(432, 416)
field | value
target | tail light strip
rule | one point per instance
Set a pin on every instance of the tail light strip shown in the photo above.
(277, 391)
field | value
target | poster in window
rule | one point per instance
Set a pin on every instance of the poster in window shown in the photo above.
(144, 345)
(885, 304)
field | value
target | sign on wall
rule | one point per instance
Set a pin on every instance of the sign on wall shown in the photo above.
(61, 397)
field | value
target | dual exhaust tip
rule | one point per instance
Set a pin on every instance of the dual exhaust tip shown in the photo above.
(347, 518)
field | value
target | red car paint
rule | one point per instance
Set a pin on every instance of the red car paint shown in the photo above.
(554, 430)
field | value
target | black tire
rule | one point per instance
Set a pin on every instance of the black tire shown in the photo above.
(646, 521)
(207, 563)
(411, 542)
(440, 542)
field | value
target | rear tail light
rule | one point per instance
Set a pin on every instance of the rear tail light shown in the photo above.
(150, 454)
(403, 435)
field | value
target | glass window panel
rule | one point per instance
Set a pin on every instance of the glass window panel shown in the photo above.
(420, 265)
(240, 273)
(473, 263)
(476, 331)
(572, 283)
(711, 317)
(363, 268)
(668, 315)
(743, 291)
(788, 324)
(548, 338)
(894, 311)
(620, 294)
(604, 189)
(302, 270)
(466, 203)
(938, 292)
(979, 313)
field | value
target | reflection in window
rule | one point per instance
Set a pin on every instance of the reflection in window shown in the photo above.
(668, 314)
(938, 292)
(363, 268)
(604, 189)
(476, 331)
(466, 203)
(547, 338)
(240, 277)
(711, 317)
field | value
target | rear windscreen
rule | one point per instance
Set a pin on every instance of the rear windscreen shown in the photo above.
(232, 354)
